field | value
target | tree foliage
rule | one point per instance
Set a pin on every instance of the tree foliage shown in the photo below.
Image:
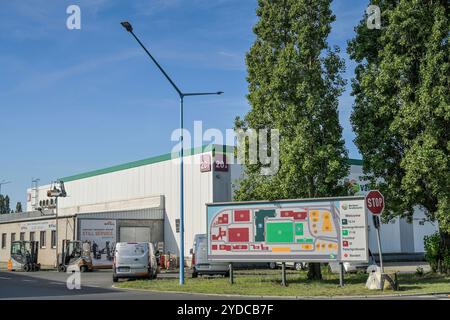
(4, 204)
(401, 114)
(294, 83)
(19, 207)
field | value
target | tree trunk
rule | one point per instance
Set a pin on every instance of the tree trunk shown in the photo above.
(444, 254)
(314, 272)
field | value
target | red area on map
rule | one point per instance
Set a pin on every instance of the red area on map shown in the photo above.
(222, 233)
(240, 247)
(297, 215)
(225, 247)
(238, 234)
(223, 219)
(241, 215)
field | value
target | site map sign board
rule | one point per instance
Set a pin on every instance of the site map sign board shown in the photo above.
(310, 230)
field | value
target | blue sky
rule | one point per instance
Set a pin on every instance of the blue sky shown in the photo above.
(78, 100)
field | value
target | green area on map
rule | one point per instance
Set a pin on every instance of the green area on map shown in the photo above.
(280, 232)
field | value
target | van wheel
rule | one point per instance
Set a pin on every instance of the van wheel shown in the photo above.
(62, 268)
(273, 265)
(115, 279)
(194, 274)
(27, 268)
(298, 266)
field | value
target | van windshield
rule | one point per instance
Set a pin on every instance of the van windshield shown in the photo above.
(132, 249)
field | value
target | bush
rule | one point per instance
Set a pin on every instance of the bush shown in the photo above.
(431, 244)
(436, 254)
(419, 271)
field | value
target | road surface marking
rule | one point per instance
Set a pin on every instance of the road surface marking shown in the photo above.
(3, 278)
(29, 280)
(60, 283)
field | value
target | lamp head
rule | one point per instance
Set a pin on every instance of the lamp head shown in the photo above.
(220, 92)
(127, 26)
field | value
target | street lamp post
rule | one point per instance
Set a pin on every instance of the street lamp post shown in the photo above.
(57, 192)
(181, 94)
(3, 182)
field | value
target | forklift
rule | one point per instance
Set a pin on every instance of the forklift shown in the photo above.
(24, 256)
(75, 253)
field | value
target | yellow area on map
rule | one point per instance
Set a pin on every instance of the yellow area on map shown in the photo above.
(307, 246)
(314, 214)
(326, 246)
(281, 249)
(327, 226)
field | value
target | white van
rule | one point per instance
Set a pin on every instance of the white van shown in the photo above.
(134, 260)
(201, 264)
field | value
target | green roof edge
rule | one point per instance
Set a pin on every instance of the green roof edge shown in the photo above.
(161, 158)
(147, 161)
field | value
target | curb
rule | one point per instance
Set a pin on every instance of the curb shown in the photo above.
(290, 297)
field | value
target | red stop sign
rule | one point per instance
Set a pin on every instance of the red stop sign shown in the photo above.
(375, 202)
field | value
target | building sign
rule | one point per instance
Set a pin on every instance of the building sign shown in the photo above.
(311, 230)
(102, 236)
(220, 163)
(34, 226)
(205, 163)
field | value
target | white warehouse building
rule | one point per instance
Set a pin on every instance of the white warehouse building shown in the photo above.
(140, 201)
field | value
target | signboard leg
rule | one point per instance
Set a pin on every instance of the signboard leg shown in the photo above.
(230, 271)
(341, 274)
(283, 274)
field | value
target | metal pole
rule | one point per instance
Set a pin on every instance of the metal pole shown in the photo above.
(181, 194)
(283, 274)
(129, 28)
(341, 274)
(56, 232)
(380, 253)
(231, 274)
(2, 183)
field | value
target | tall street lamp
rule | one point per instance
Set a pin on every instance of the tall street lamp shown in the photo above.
(3, 182)
(57, 191)
(181, 94)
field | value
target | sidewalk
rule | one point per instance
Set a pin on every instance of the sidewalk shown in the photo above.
(4, 267)
(406, 266)
(402, 267)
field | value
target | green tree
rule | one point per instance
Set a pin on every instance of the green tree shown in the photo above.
(294, 83)
(6, 205)
(2, 204)
(18, 207)
(401, 114)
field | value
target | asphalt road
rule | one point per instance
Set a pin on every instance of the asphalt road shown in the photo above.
(94, 286)
(98, 286)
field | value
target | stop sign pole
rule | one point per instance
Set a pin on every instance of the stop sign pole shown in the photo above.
(375, 204)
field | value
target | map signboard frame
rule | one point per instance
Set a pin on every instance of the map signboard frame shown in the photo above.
(310, 230)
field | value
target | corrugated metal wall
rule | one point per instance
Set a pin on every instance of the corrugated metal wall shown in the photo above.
(161, 178)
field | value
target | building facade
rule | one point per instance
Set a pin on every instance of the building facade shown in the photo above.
(140, 201)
